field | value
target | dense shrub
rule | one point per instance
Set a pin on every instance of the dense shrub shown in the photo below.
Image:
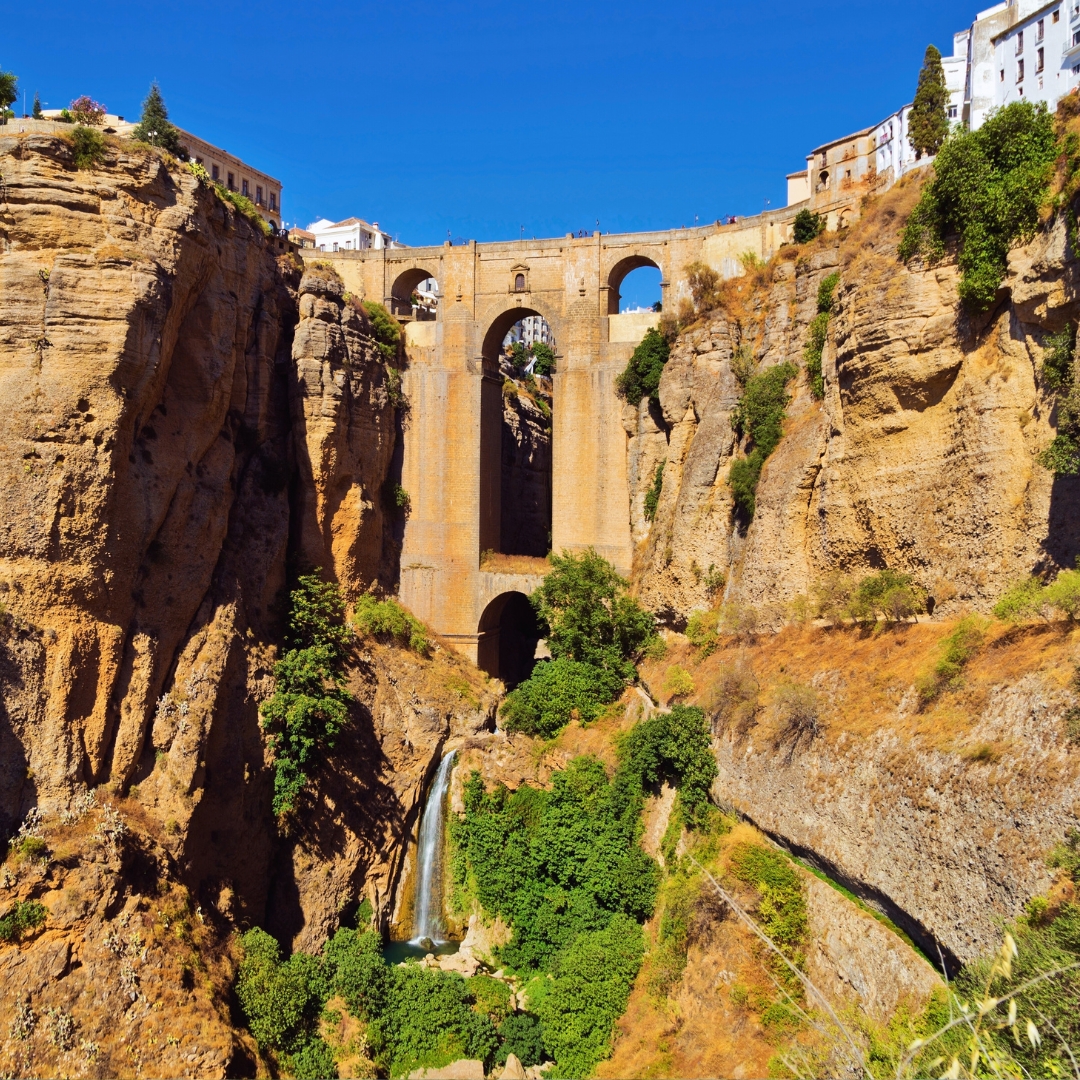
(25, 915)
(807, 226)
(521, 1035)
(988, 188)
(388, 620)
(89, 147)
(1057, 366)
(588, 615)
(641, 378)
(652, 496)
(588, 993)
(956, 651)
(85, 110)
(894, 595)
(1062, 456)
(557, 692)
(815, 343)
(385, 329)
(545, 359)
(244, 206)
(310, 704)
(758, 415)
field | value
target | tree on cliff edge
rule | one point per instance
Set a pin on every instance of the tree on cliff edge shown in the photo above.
(154, 126)
(9, 92)
(928, 123)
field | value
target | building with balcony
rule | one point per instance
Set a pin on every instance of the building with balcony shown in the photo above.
(1037, 57)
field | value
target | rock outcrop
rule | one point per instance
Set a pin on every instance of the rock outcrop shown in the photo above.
(526, 473)
(922, 456)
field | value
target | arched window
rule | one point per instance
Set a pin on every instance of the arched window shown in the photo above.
(519, 283)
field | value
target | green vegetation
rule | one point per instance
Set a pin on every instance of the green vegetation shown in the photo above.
(37, 112)
(545, 359)
(988, 188)
(387, 620)
(154, 126)
(956, 651)
(807, 226)
(815, 343)
(642, 375)
(759, 415)
(244, 206)
(310, 704)
(1031, 598)
(1062, 456)
(9, 91)
(89, 147)
(678, 682)
(596, 628)
(25, 915)
(652, 496)
(781, 910)
(889, 593)
(385, 329)
(565, 869)
(85, 110)
(928, 122)
(559, 690)
(413, 1017)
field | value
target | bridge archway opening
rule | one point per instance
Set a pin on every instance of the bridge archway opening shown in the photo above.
(412, 285)
(634, 282)
(509, 633)
(515, 442)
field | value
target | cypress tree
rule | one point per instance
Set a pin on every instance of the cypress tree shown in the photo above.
(38, 115)
(154, 126)
(928, 123)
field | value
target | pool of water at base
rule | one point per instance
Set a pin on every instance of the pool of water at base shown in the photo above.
(396, 952)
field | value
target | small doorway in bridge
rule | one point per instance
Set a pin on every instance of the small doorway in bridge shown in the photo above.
(517, 402)
(634, 286)
(509, 634)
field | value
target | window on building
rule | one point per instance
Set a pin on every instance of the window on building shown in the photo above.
(1039, 60)
(1019, 42)
(335, 245)
(1056, 17)
(232, 183)
(322, 247)
(215, 172)
(348, 245)
(273, 200)
(1019, 70)
(952, 112)
(1076, 37)
(244, 187)
(1001, 75)
(198, 161)
(258, 194)
(1076, 69)
(519, 283)
(1039, 28)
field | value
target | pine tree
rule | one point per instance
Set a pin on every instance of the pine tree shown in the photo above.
(928, 123)
(38, 115)
(154, 126)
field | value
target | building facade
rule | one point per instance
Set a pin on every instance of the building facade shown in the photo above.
(352, 234)
(1037, 58)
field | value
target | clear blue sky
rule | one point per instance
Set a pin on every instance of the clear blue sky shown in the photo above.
(480, 117)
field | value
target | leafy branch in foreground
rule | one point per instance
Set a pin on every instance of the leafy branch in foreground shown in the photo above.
(310, 705)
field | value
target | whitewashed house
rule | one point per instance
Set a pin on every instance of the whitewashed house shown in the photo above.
(1037, 58)
(352, 234)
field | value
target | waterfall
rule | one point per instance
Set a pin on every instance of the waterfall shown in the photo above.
(427, 910)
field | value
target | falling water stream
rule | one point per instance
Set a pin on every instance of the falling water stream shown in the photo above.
(428, 907)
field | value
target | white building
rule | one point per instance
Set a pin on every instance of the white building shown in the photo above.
(352, 234)
(1038, 57)
(531, 330)
(892, 147)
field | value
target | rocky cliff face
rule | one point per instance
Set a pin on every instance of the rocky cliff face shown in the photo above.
(526, 473)
(920, 458)
(189, 422)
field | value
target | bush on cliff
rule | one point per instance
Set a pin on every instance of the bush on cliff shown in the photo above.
(815, 343)
(387, 620)
(310, 704)
(597, 631)
(385, 329)
(641, 378)
(759, 415)
(89, 147)
(807, 226)
(988, 188)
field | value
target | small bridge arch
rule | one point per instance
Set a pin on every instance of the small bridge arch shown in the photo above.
(399, 302)
(622, 269)
(507, 635)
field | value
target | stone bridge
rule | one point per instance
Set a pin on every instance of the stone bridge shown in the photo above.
(452, 450)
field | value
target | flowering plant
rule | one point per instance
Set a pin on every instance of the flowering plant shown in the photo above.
(86, 110)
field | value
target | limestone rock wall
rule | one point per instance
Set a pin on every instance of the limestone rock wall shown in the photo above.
(920, 458)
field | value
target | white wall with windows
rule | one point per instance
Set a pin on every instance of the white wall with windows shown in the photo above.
(1038, 57)
(352, 234)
